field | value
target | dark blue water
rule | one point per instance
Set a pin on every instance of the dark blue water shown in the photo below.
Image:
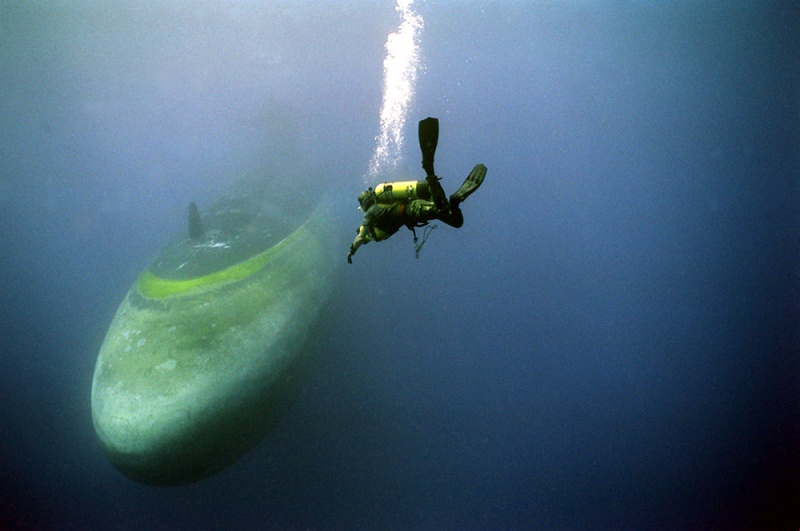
(610, 341)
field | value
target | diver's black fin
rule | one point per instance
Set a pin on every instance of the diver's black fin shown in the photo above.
(195, 225)
(471, 183)
(428, 139)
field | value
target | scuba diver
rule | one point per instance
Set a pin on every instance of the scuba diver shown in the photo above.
(413, 203)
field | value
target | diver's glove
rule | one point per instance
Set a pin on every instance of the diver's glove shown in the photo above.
(350, 254)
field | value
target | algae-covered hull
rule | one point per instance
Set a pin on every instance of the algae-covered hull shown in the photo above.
(198, 359)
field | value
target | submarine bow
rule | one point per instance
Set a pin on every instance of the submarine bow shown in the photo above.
(200, 357)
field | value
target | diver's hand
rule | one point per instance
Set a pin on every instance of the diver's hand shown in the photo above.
(349, 258)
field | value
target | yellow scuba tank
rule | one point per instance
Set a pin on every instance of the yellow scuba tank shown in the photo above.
(400, 191)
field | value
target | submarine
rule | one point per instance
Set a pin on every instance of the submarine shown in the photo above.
(201, 357)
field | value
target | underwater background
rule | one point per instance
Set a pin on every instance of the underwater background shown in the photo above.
(610, 341)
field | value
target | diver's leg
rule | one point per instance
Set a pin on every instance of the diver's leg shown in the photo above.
(420, 211)
(452, 216)
(438, 196)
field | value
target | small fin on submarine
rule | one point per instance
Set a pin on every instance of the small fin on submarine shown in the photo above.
(195, 225)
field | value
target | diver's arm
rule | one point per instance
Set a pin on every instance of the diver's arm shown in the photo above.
(366, 232)
(363, 238)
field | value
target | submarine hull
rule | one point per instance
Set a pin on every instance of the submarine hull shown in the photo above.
(193, 374)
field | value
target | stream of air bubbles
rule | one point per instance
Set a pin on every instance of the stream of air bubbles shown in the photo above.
(399, 76)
